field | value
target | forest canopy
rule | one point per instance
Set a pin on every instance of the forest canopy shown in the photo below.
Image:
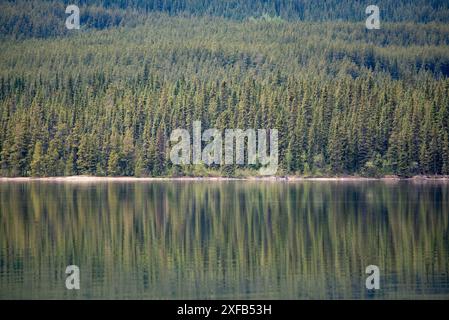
(103, 100)
(43, 18)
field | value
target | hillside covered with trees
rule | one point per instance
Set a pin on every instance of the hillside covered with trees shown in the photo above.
(104, 99)
(43, 18)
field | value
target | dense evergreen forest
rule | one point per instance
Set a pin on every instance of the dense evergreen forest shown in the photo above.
(104, 99)
(43, 18)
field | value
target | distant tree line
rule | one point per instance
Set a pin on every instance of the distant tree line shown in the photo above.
(44, 18)
(344, 101)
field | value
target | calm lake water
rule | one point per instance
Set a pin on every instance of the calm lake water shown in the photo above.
(219, 240)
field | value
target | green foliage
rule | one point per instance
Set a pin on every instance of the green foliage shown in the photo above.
(37, 162)
(344, 101)
(46, 18)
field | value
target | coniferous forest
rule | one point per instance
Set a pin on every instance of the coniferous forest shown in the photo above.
(104, 99)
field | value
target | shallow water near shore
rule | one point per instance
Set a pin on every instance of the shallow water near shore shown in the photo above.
(224, 239)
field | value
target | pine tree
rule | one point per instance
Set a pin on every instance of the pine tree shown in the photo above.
(37, 165)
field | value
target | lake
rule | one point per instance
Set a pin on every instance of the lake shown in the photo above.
(224, 240)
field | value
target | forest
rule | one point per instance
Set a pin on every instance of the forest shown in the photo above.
(43, 18)
(104, 99)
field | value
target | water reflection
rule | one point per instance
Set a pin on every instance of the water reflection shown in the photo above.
(236, 240)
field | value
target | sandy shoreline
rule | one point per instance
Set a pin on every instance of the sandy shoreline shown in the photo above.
(81, 179)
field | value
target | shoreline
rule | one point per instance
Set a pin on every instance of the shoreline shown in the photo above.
(93, 179)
